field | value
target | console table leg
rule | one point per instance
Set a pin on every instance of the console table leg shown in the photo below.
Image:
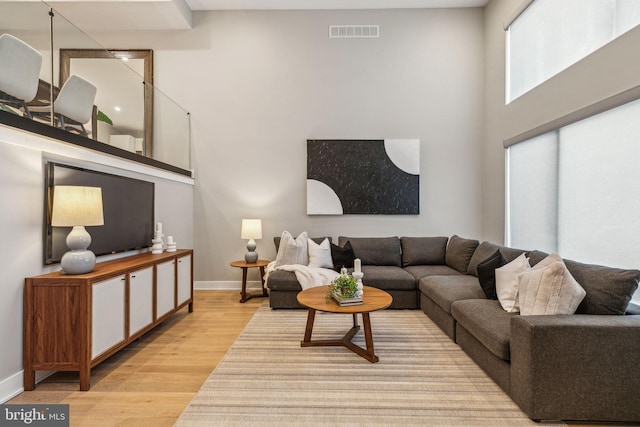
(85, 379)
(29, 379)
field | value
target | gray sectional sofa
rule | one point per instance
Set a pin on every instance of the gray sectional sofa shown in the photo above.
(555, 367)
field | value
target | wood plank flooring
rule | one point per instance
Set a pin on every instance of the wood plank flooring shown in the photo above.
(149, 383)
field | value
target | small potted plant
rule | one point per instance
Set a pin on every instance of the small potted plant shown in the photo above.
(342, 287)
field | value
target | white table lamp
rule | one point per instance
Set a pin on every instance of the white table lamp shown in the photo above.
(251, 229)
(76, 207)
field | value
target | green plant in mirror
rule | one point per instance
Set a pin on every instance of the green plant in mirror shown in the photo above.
(342, 287)
(102, 117)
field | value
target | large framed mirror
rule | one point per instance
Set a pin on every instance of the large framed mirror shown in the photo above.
(123, 111)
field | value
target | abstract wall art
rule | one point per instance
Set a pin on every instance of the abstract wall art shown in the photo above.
(363, 177)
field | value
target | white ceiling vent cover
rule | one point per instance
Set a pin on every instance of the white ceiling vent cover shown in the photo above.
(354, 31)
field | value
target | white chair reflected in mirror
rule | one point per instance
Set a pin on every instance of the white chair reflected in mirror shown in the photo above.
(73, 107)
(19, 73)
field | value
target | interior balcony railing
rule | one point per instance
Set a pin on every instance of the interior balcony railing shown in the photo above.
(57, 81)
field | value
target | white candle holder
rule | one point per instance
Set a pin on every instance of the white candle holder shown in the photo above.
(158, 245)
(171, 244)
(358, 275)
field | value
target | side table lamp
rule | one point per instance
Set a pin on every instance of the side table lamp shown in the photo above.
(76, 207)
(251, 229)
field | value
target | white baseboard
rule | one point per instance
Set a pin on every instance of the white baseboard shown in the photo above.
(11, 387)
(14, 385)
(225, 285)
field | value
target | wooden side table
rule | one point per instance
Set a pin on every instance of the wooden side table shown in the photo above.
(245, 266)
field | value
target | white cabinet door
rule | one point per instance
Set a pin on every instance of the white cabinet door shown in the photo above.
(108, 311)
(166, 288)
(184, 279)
(140, 299)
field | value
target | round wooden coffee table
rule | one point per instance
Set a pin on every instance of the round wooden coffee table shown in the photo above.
(315, 299)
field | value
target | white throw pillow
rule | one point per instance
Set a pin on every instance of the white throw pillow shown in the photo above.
(549, 289)
(507, 282)
(320, 254)
(292, 251)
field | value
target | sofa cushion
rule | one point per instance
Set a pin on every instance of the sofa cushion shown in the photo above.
(423, 250)
(459, 253)
(507, 282)
(388, 278)
(420, 271)
(487, 273)
(292, 250)
(320, 254)
(609, 289)
(444, 290)
(549, 289)
(486, 249)
(536, 256)
(280, 280)
(375, 250)
(342, 256)
(487, 322)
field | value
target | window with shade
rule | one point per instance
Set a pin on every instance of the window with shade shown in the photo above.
(548, 36)
(576, 190)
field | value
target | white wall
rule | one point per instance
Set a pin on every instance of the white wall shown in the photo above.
(22, 158)
(259, 84)
(610, 70)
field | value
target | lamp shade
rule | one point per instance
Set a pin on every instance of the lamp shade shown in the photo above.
(251, 229)
(74, 206)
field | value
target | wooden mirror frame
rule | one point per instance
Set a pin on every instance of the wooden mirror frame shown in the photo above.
(146, 54)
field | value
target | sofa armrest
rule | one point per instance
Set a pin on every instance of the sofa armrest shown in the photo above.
(580, 367)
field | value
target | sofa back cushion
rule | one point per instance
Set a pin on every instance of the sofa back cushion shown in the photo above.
(423, 250)
(459, 253)
(609, 289)
(375, 250)
(485, 250)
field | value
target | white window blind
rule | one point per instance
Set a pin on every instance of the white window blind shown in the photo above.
(533, 189)
(551, 35)
(577, 191)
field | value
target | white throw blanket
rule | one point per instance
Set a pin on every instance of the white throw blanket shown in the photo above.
(308, 277)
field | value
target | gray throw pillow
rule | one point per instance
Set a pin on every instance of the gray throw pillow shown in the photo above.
(459, 253)
(423, 250)
(609, 289)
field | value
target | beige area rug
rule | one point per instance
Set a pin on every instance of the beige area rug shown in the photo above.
(422, 378)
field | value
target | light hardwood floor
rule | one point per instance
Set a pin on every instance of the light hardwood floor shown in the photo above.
(149, 383)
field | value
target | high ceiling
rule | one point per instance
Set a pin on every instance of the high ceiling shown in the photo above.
(329, 4)
(115, 15)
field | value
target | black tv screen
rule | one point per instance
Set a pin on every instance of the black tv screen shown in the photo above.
(128, 206)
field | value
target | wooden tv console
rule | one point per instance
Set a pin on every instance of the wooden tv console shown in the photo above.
(74, 322)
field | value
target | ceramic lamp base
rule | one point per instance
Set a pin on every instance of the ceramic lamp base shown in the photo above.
(78, 261)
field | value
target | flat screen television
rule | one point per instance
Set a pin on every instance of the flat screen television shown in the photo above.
(128, 206)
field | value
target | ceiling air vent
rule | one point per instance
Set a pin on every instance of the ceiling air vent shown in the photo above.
(354, 31)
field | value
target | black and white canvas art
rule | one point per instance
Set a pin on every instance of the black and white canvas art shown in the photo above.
(363, 177)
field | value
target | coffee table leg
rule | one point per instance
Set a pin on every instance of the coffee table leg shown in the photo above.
(309, 329)
(368, 337)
